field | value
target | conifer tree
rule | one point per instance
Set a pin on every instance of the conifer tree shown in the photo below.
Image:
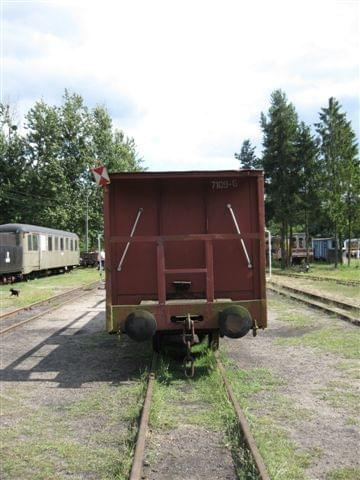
(340, 166)
(247, 156)
(281, 168)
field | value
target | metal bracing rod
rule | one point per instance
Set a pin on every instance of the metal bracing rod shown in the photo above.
(238, 231)
(128, 243)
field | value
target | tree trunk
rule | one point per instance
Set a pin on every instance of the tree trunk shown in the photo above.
(349, 242)
(336, 247)
(307, 237)
(282, 246)
(289, 258)
(341, 259)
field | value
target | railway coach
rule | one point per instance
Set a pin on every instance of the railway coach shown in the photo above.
(185, 254)
(27, 251)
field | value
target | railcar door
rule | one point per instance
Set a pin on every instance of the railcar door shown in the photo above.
(32, 255)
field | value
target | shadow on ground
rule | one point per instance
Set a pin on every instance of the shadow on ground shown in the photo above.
(71, 357)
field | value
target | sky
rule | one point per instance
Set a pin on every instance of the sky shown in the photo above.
(187, 79)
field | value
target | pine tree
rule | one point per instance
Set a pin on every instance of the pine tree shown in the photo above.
(309, 175)
(247, 157)
(281, 168)
(340, 163)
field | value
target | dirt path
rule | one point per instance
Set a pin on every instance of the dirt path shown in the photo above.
(69, 395)
(315, 398)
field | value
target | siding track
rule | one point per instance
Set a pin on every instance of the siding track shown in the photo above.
(16, 318)
(343, 310)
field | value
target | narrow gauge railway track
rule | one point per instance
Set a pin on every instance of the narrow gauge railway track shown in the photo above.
(139, 453)
(16, 318)
(343, 310)
(304, 276)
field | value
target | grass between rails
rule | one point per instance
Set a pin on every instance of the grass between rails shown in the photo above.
(284, 459)
(201, 401)
(43, 288)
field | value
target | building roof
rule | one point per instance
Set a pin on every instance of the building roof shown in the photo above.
(24, 228)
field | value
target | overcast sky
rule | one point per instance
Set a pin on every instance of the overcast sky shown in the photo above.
(186, 79)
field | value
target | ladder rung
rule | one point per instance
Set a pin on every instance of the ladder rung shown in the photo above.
(186, 270)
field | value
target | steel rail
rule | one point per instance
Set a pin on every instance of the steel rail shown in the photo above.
(286, 292)
(40, 314)
(46, 300)
(137, 464)
(304, 276)
(248, 437)
(324, 298)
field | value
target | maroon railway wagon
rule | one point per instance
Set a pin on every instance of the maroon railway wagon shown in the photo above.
(185, 254)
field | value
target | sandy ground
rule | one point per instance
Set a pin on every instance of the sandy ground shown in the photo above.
(305, 372)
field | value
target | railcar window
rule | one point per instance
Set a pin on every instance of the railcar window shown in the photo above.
(29, 242)
(56, 243)
(66, 244)
(71, 245)
(35, 242)
(301, 242)
(50, 244)
(62, 244)
(75, 244)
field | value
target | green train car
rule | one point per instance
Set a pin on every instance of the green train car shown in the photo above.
(27, 251)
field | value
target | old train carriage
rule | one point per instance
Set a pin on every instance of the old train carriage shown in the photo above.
(28, 250)
(185, 252)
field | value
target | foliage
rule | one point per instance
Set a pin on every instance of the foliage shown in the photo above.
(340, 165)
(312, 184)
(46, 178)
(281, 168)
(247, 157)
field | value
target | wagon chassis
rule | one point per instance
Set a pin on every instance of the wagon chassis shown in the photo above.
(166, 309)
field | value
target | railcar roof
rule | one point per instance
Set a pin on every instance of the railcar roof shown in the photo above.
(187, 174)
(24, 228)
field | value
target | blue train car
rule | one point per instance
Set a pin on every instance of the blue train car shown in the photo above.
(323, 248)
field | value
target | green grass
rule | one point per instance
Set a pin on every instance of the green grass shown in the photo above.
(43, 288)
(343, 272)
(334, 339)
(344, 474)
(340, 395)
(82, 439)
(201, 401)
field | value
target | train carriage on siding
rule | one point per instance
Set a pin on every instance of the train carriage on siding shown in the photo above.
(185, 250)
(29, 250)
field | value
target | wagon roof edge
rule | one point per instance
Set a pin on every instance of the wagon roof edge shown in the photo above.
(187, 173)
(26, 228)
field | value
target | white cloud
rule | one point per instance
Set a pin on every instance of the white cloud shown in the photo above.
(198, 74)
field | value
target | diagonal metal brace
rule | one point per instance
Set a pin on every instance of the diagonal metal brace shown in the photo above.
(238, 231)
(128, 243)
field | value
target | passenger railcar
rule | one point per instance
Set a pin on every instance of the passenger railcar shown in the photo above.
(28, 250)
(298, 248)
(185, 253)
